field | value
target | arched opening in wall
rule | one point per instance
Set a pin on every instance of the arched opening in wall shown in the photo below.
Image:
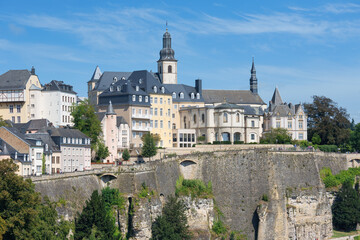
(107, 178)
(169, 69)
(237, 136)
(355, 163)
(225, 136)
(255, 222)
(188, 169)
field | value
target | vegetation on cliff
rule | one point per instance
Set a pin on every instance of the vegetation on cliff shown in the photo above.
(346, 208)
(149, 145)
(172, 224)
(195, 187)
(343, 176)
(22, 213)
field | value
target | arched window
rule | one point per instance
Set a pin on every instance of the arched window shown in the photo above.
(174, 126)
(137, 88)
(192, 95)
(111, 88)
(162, 89)
(133, 98)
(194, 118)
(146, 98)
(225, 118)
(169, 69)
(140, 98)
(155, 89)
(115, 79)
(198, 96)
(181, 95)
(174, 94)
(159, 69)
(203, 117)
(238, 117)
(184, 121)
(118, 88)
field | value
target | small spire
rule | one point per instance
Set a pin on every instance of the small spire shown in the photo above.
(32, 70)
(166, 26)
(253, 66)
(224, 99)
(110, 109)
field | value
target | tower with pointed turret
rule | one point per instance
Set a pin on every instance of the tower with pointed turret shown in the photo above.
(167, 64)
(253, 79)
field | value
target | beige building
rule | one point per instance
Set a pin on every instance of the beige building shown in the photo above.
(15, 94)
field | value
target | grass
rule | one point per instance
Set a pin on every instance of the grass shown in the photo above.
(337, 234)
(196, 188)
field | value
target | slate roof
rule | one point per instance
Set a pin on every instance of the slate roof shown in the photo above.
(14, 79)
(108, 77)
(6, 149)
(186, 89)
(20, 135)
(120, 120)
(96, 75)
(66, 132)
(231, 96)
(228, 106)
(100, 115)
(276, 98)
(32, 125)
(46, 139)
(58, 86)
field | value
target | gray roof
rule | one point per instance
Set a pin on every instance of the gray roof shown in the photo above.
(97, 74)
(100, 115)
(14, 79)
(46, 139)
(58, 86)
(66, 132)
(186, 89)
(7, 149)
(231, 96)
(120, 120)
(108, 77)
(32, 125)
(276, 98)
(228, 106)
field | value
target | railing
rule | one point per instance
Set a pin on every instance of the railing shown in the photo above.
(144, 116)
(137, 128)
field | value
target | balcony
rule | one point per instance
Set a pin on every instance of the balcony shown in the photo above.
(138, 128)
(12, 96)
(141, 116)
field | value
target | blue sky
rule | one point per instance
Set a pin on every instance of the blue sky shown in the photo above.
(305, 47)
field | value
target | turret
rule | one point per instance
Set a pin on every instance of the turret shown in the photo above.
(253, 79)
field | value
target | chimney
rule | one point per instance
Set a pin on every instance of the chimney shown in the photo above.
(33, 71)
(198, 85)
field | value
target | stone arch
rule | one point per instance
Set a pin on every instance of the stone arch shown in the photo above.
(188, 169)
(237, 136)
(107, 177)
(225, 136)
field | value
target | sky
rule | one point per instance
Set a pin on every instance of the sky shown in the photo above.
(304, 48)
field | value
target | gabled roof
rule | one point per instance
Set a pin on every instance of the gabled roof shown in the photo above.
(46, 139)
(58, 86)
(32, 125)
(97, 74)
(276, 99)
(14, 79)
(232, 96)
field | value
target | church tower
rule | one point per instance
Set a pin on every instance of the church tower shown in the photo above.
(167, 64)
(253, 79)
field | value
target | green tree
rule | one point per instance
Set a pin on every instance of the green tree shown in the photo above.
(328, 120)
(149, 146)
(22, 214)
(94, 218)
(43, 167)
(102, 151)
(346, 208)
(276, 135)
(355, 137)
(85, 119)
(172, 224)
(316, 139)
(3, 123)
(126, 155)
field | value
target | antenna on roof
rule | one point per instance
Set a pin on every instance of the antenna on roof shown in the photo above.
(166, 25)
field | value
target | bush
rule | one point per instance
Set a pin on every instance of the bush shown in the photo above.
(195, 187)
(219, 227)
(238, 142)
(328, 148)
(340, 178)
(216, 142)
(265, 197)
(201, 138)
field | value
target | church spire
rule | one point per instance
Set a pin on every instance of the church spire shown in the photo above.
(167, 53)
(253, 79)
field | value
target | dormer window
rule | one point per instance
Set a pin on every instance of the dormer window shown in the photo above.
(155, 89)
(181, 95)
(115, 79)
(118, 88)
(162, 89)
(111, 88)
(46, 147)
(133, 98)
(137, 88)
(38, 143)
(174, 94)
(198, 96)
(192, 95)
(123, 78)
(146, 99)
(140, 98)
(140, 81)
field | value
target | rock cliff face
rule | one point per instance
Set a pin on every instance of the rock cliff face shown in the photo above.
(296, 207)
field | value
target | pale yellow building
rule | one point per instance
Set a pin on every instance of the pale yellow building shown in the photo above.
(15, 95)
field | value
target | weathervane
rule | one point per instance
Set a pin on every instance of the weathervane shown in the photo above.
(166, 25)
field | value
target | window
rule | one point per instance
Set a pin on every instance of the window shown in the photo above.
(115, 79)
(155, 112)
(169, 114)
(252, 136)
(32, 95)
(111, 88)
(19, 119)
(146, 99)
(161, 124)
(18, 108)
(155, 100)
(137, 88)
(11, 108)
(13, 119)
(133, 98)
(161, 100)
(277, 124)
(225, 118)
(174, 94)
(162, 89)
(168, 100)
(198, 96)
(151, 123)
(151, 111)
(238, 117)
(289, 116)
(175, 106)
(161, 111)
(140, 134)
(301, 124)
(252, 123)
(38, 156)
(134, 123)
(203, 118)
(290, 125)
(169, 124)
(133, 111)
(192, 95)
(151, 99)
(181, 95)
(169, 69)
(194, 118)
(155, 89)
(140, 98)
(156, 124)
(301, 136)
(300, 116)
(140, 111)
(134, 134)
(118, 88)
(57, 160)
(181, 137)
(146, 112)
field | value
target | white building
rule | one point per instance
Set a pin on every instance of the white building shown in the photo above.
(288, 116)
(54, 102)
